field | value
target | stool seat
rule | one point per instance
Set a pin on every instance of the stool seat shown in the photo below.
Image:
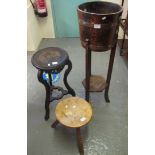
(73, 112)
(50, 58)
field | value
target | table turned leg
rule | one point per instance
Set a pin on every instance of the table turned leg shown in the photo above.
(55, 124)
(79, 141)
(70, 90)
(111, 61)
(47, 88)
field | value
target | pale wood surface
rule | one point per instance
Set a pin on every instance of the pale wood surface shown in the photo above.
(73, 112)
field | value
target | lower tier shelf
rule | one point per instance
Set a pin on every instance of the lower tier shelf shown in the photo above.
(97, 83)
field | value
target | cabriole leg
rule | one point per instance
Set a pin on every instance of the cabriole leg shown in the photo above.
(70, 90)
(47, 99)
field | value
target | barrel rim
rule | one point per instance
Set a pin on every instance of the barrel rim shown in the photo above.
(92, 13)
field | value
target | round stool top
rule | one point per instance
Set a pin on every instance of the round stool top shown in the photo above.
(73, 112)
(49, 58)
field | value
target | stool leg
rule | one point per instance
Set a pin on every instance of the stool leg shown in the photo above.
(55, 124)
(70, 90)
(79, 141)
(111, 61)
(87, 72)
(47, 88)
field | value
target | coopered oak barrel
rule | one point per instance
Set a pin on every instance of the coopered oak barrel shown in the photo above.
(98, 24)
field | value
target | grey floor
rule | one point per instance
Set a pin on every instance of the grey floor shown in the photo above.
(106, 134)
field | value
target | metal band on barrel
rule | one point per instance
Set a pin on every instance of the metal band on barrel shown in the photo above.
(91, 25)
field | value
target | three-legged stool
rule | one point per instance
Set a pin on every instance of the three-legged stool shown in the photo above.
(73, 112)
(51, 61)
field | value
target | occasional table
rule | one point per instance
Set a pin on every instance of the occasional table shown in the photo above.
(51, 61)
(73, 112)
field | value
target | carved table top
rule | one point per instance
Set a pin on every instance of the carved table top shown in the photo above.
(49, 58)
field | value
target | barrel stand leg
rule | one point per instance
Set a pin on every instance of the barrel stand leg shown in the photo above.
(122, 45)
(111, 61)
(87, 72)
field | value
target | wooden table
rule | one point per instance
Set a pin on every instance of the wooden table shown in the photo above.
(52, 60)
(73, 112)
